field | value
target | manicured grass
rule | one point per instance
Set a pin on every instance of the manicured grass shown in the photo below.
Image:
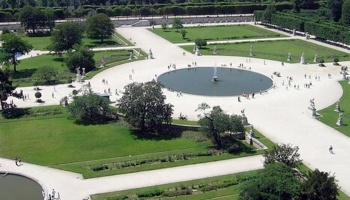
(41, 43)
(52, 141)
(58, 142)
(27, 67)
(276, 50)
(330, 117)
(214, 33)
(185, 122)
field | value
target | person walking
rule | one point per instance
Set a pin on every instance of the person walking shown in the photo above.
(331, 149)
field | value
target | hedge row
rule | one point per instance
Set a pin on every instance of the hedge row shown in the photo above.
(150, 10)
(323, 31)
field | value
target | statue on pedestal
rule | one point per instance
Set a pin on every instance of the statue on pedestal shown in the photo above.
(150, 54)
(289, 57)
(340, 120)
(302, 59)
(251, 51)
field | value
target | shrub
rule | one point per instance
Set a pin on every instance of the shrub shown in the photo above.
(335, 60)
(118, 198)
(234, 149)
(99, 168)
(75, 92)
(37, 95)
(200, 42)
(151, 193)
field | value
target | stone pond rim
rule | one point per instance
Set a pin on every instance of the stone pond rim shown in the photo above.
(230, 81)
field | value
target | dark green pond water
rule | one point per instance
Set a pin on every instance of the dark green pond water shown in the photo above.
(199, 81)
(16, 187)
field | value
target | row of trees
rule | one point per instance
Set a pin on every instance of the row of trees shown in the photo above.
(34, 18)
(131, 10)
(337, 32)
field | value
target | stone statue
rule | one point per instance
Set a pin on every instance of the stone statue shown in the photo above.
(302, 59)
(312, 108)
(244, 118)
(340, 120)
(131, 55)
(150, 54)
(78, 70)
(289, 57)
(215, 51)
(251, 51)
(198, 53)
(83, 73)
(337, 107)
(103, 63)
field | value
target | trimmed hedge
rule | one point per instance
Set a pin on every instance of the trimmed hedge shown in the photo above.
(323, 31)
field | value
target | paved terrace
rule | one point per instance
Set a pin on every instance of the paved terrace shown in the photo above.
(281, 114)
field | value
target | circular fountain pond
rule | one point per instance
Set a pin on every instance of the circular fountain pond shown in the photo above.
(14, 186)
(228, 81)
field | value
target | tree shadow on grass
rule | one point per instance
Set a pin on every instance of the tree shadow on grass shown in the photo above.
(58, 59)
(15, 113)
(165, 132)
(23, 73)
(104, 43)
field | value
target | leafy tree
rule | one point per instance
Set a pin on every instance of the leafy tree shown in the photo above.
(81, 57)
(164, 26)
(144, 106)
(99, 26)
(33, 18)
(345, 16)
(183, 33)
(65, 36)
(284, 153)
(177, 24)
(336, 8)
(12, 45)
(319, 185)
(45, 73)
(91, 109)
(276, 182)
(267, 14)
(216, 122)
(6, 88)
(200, 42)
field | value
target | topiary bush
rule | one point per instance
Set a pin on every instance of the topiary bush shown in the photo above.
(38, 96)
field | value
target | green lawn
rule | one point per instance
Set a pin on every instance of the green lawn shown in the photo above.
(275, 50)
(27, 67)
(41, 43)
(52, 139)
(214, 33)
(330, 117)
(58, 140)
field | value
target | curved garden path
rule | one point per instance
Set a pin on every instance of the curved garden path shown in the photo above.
(281, 115)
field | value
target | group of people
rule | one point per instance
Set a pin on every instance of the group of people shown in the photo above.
(54, 196)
